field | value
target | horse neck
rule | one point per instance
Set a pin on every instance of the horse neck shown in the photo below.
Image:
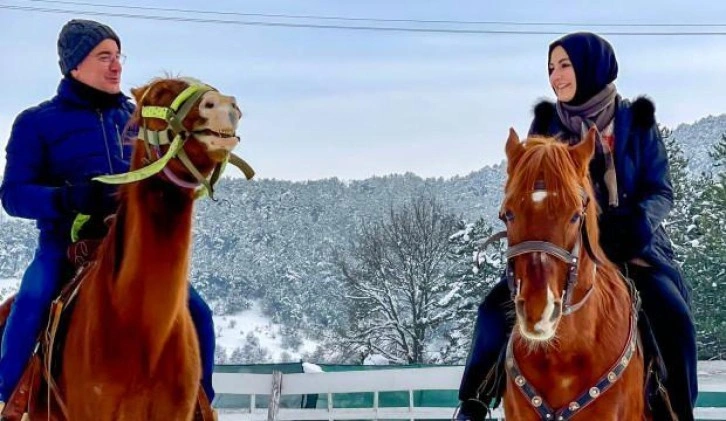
(152, 282)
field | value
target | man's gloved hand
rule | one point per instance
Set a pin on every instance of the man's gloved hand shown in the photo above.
(90, 198)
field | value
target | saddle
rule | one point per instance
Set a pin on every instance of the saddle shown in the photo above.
(37, 388)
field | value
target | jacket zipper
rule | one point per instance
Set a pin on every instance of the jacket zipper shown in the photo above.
(105, 141)
(120, 142)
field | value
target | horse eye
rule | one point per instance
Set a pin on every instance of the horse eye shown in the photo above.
(507, 216)
(208, 105)
(576, 217)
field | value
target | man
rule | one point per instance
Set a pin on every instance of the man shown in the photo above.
(54, 151)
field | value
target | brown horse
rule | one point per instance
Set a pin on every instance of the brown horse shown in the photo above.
(573, 352)
(131, 350)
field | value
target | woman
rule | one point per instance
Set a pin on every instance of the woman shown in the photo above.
(632, 183)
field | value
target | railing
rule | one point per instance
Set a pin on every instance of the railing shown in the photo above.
(274, 386)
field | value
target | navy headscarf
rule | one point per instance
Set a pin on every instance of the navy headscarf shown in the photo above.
(593, 60)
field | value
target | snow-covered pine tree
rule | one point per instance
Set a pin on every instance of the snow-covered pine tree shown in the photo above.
(473, 272)
(708, 265)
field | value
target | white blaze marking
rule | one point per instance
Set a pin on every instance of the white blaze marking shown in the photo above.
(545, 325)
(539, 196)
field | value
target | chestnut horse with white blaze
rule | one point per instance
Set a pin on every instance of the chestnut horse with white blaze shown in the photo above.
(573, 352)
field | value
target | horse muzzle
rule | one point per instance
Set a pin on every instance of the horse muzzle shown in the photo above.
(540, 323)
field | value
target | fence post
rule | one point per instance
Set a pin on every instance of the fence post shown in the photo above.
(274, 396)
(410, 403)
(375, 402)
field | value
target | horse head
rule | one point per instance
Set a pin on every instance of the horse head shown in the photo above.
(546, 208)
(188, 120)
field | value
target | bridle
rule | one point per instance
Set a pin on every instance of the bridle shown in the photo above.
(570, 257)
(174, 135)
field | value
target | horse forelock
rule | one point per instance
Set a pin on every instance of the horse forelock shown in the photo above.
(546, 161)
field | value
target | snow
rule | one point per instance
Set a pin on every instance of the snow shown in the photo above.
(444, 301)
(712, 375)
(376, 359)
(8, 286)
(232, 331)
(9, 282)
(311, 368)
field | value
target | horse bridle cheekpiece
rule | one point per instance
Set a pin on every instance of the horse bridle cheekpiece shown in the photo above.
(174, 116)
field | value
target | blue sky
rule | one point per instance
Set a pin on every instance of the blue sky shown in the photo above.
(324, 103)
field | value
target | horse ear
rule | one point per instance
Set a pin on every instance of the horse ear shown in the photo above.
(138, 93)
(582, 153)
(514, 150)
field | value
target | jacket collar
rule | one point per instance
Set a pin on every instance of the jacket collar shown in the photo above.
(74, 92)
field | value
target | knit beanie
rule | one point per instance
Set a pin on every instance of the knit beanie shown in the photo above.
(77, 38)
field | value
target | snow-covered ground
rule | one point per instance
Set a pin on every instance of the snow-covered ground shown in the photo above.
(712, 376)
(8, 286)
(233, 330)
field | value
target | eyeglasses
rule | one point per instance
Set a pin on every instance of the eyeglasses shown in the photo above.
(108, 58)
